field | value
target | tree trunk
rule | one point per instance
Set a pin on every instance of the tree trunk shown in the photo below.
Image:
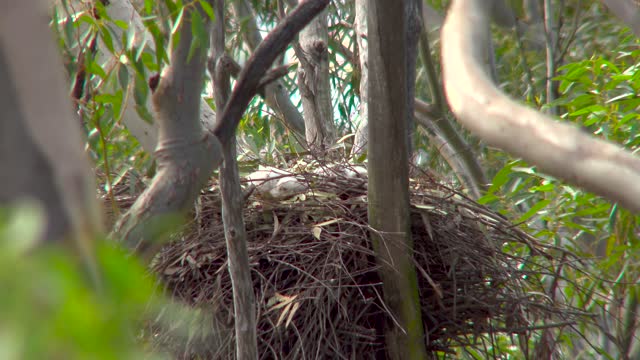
(232, 204)
(187, 153)
(389, 176)
(313, 82)
(362, 132)
(36, 119)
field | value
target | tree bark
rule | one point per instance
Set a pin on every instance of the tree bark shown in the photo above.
(186, 153)
(145, 132)
(559, 149)
(388, 191)
(232, 206)
(41, 143)
(362, 132)
(313, 83)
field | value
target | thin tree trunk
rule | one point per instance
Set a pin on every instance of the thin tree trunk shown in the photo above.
(41, 143)
(388, 190)
(313, 83)
(362, 132)
(232, 205)
(550, 37)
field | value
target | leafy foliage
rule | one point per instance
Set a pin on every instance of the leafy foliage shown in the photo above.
(53, 310)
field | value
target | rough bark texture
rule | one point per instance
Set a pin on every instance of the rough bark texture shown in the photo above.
(559, 149)
(40, 140)
(362, 132)
(313, 83)
(232, 205)
(186, 153)
(388, 177)
(276, 93)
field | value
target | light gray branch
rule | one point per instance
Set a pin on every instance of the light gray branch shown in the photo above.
(559, 149)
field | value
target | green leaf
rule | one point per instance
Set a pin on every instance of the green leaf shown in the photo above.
(144, 114)
(148, 6)
(123, 76)
(105, 35)
(141, 90)
(94, 68)
(533, 210)
(208, 9)
(199, 34)
(501, 177)
(177, 22)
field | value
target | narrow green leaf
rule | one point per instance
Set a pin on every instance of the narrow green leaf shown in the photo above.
(177, 22)
(94, 68)
(533, 210)
(123, 76)
(501, 178)
(105, 35)
(141, 90)
(208, 9)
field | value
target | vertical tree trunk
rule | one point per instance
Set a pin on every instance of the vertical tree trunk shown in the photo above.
(36, 119)
(232, 204)
(313, 82)
(412, 31)
(187, 153)
(388, 175)
(362, 132)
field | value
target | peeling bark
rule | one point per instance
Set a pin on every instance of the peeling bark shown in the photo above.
(313, 83)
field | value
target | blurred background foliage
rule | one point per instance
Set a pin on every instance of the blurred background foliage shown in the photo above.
(50, 309)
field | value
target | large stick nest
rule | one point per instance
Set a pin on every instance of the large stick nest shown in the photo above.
(316, 281)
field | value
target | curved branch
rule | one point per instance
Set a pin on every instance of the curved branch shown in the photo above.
(473, 176)
(559, 149)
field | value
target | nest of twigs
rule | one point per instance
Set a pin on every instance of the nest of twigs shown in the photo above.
(315, 278)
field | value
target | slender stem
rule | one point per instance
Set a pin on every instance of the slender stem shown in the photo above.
(475, 180)
(550, 37)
